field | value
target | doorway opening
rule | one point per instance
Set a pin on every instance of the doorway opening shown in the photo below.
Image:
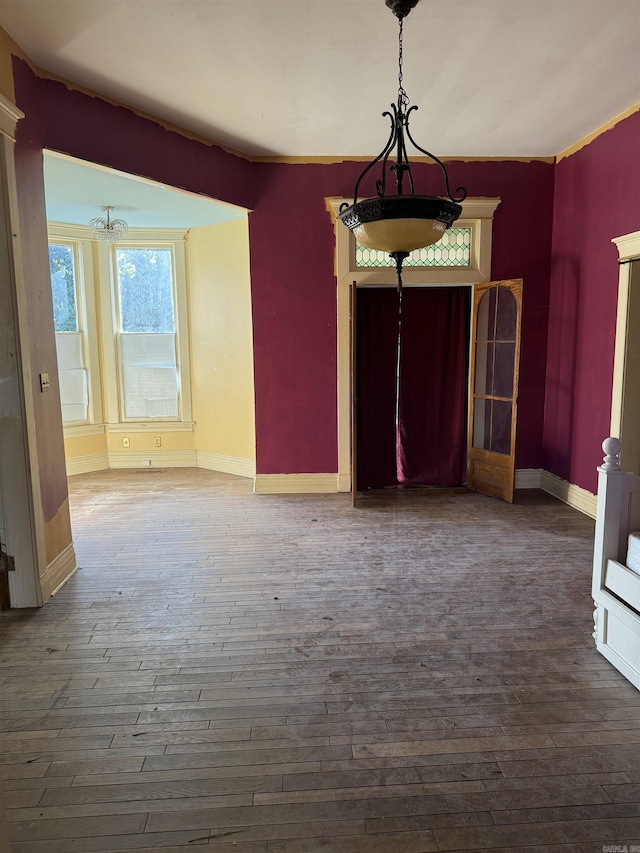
(411, 386)
(153, 333)
(477, 216)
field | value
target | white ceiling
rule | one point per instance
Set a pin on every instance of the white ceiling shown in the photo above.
(311, 77)
(76, 191)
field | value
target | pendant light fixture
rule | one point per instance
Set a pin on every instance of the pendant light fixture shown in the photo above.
(108, 230)
(400, 223)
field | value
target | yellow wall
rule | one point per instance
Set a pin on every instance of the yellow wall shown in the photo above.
(221, 339)
(91, 445)
(144, 441)
(7, 48)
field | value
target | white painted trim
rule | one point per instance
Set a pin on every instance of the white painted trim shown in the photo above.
(67, 231)
(226, 464)
(575, 496)
(58, 572)
(344, 482)
(23, 515)
(157, 458)
(10, 115)
(86, 315)
(132, 427)
(289, 484)
(628, 245)
(477, 214)
(106, 326)
(87, 464)
(628, 248)
(529, 478)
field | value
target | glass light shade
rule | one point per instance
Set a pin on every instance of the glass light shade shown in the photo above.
(399, 235)
(400, 223)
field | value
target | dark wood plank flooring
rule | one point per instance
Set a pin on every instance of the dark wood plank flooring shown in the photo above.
(287, 674)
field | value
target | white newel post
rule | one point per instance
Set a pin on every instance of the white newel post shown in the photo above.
(607, 533)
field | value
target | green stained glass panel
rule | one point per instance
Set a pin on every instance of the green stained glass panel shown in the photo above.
(453, 250)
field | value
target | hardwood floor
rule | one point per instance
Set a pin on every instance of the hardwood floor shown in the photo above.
(268, 674)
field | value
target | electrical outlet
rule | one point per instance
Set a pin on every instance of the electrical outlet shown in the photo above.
(157, 441)
(146, 463)
(126, 442)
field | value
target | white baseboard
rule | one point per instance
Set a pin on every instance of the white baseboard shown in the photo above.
(59, 570)
(283, 484)
(344, 482)
(575, 496)
(86, 464)
(153, 459)
(528, 478)
(226, 464)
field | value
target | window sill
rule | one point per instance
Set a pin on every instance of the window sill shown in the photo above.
(154, 426)
(80, 430)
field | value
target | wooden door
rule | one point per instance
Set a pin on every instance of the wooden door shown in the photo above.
(495, 361)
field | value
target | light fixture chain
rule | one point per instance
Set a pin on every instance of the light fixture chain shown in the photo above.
(403, 98)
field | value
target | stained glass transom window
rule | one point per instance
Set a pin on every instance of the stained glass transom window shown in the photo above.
(453, 250)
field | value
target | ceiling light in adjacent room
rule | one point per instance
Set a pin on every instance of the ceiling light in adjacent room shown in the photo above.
(108, 230)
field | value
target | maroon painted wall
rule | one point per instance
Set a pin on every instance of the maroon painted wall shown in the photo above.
(294, 299)
(292, 257)
(91, 129)
(597, 198)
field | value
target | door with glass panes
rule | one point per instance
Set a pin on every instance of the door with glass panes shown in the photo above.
(495, 361)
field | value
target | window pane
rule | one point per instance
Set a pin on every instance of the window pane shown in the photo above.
(63, 288)
(73, 378)
(486, 317)
(501, 427)
(504, 366)
(507, 315)
(149, 376)
(145, 288)
(484, 367)
(482, 424)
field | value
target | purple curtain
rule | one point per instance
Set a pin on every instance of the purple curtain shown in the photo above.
(432, 429)
(429, 445)
(377, 339)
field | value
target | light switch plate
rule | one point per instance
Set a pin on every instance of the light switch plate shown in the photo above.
(44, 382)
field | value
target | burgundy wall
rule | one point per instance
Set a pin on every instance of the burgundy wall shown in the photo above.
(597, 198)
(292, 257)
(92, 129)
(294, 299)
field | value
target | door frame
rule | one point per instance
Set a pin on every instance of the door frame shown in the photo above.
(24, 530)
(627, 332)
(477, 213)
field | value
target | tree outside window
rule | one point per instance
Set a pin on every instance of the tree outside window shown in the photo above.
(63, 287)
